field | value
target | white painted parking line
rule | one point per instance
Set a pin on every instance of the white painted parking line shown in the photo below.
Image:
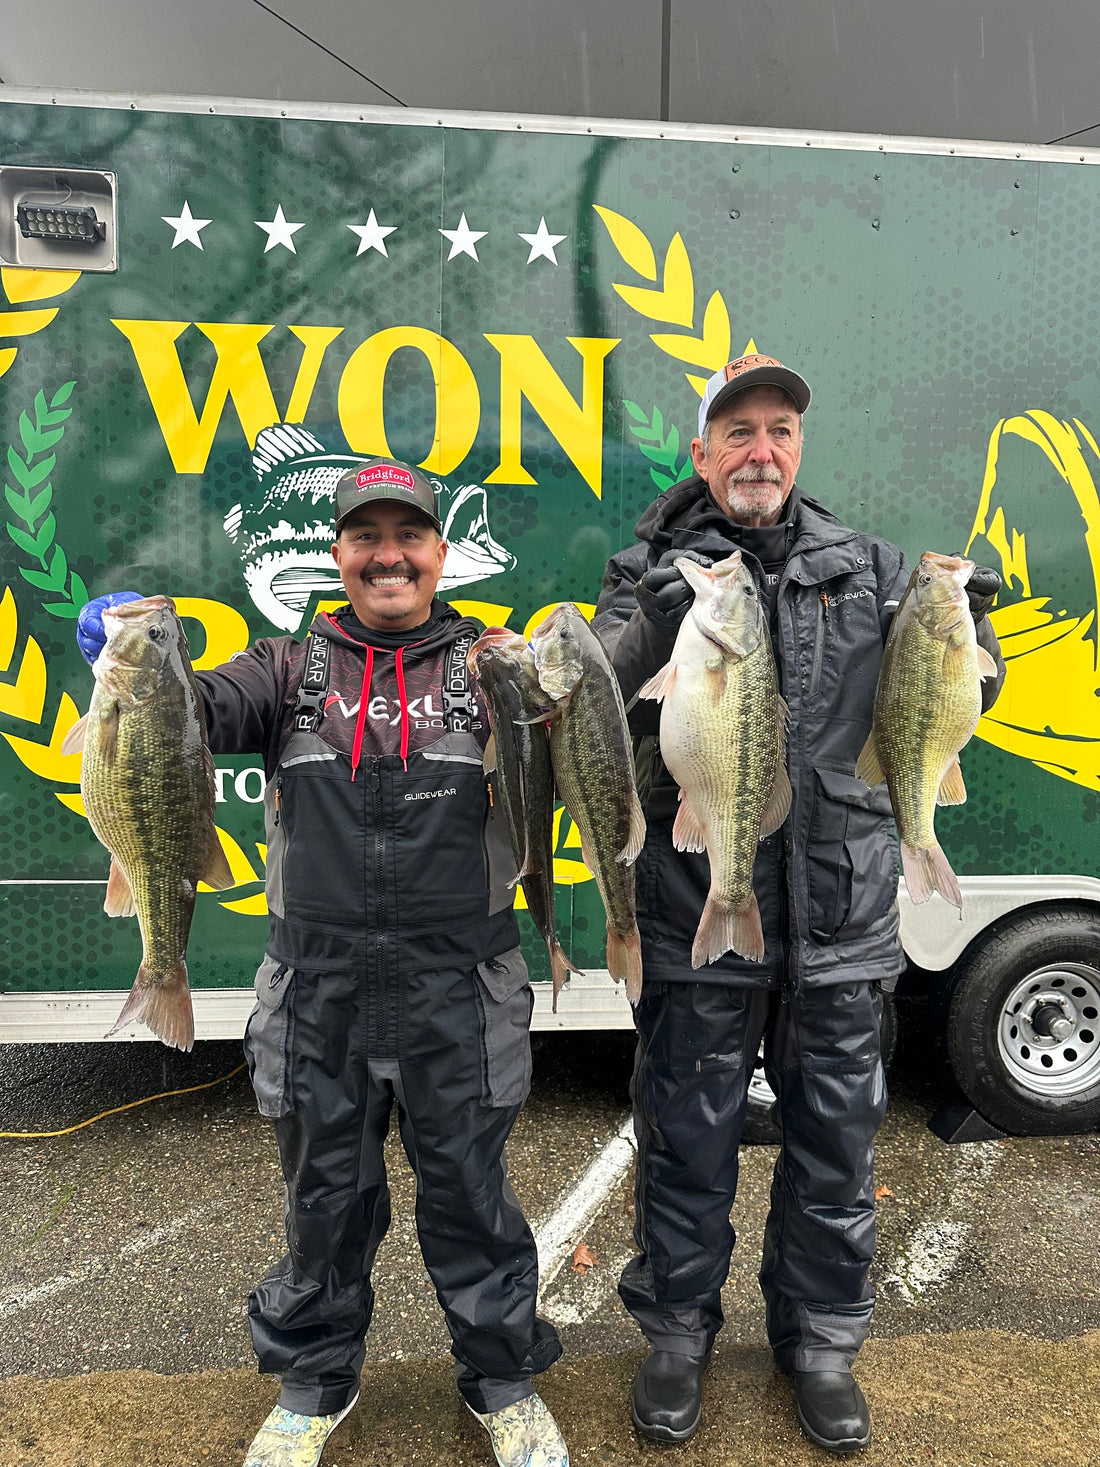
(563, 1229)
(19, 1299)
(144, 1241)
(932, 1252)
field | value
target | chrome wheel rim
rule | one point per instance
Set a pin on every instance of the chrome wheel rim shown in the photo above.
(1048, 1035)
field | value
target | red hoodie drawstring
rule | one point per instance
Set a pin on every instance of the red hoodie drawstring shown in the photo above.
(404, 708)
(360, 722)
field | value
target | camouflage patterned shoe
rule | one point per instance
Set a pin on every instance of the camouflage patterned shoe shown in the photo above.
(289, 1440)
(525, 1435)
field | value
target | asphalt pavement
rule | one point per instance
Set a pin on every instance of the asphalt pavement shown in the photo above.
(130, 1244)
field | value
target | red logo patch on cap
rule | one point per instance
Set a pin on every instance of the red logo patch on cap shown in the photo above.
(385, 474)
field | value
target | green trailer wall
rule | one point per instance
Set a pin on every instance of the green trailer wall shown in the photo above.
(528, 310)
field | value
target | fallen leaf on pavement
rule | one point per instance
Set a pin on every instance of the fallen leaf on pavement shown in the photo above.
(583, 1258)
(882, 1192)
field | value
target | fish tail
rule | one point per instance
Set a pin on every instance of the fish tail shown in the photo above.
(624, 959)
(725, 928)
(165, 1008)
(927, 870)
(561, 965)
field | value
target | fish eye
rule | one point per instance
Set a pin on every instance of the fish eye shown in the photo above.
(157, 634)
(750, 590)
(924, 580)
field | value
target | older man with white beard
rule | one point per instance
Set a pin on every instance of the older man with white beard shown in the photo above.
(826, 885)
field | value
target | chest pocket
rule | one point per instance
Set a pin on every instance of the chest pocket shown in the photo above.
(438, 812)
(851, 857)
(839, 621)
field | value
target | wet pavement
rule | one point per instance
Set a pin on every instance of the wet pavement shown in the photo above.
(131, 1244)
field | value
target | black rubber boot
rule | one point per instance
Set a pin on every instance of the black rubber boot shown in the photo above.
(832, 1410)
(667, 1403)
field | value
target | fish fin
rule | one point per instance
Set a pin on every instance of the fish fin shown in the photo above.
(952, 791)
(561, 965)
(869, 765)
(163, 1007)
(489, 758)
(529, 865)
(688, 833)
(119, 901)
(779, 803)
(586, 857)
(660, 684)
(724, 928)
(927, 871)
(636, 839)
(73, 742)
(217, 873)
(986, 666)
(108, 734)
(624, 960)
(211, 770)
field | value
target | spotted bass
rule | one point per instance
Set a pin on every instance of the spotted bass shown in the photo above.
(594, 773)
(519, 751)
(723, 739)
(927, 705)
(147, 779)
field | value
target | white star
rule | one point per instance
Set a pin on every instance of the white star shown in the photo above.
(371, 235)
(186, 226)
(279, 231)
(542, 243)
(463, 239)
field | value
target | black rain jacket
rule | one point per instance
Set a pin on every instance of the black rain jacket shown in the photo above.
(826, 881)
(384, 849)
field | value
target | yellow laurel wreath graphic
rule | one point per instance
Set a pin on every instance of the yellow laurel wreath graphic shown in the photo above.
(672, 300)
(21, 286)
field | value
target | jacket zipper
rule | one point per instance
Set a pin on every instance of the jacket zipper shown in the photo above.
(819, 640)
(378, 815)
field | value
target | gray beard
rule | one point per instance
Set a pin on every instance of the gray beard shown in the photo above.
(764, 503)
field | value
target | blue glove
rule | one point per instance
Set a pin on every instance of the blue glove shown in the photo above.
(90, 636)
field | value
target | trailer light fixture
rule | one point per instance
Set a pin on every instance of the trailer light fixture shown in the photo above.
(67, 223)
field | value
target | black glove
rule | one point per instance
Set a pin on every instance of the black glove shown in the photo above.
(981, 590)
(662, 593)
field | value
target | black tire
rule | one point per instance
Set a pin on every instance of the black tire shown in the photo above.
(761, 1124)
(1041, 1078)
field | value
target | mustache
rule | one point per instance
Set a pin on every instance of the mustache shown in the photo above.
(767, 473)
(388, 570)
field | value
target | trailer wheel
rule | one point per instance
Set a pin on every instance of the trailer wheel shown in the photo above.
(761, 1123)
(1023, 1027)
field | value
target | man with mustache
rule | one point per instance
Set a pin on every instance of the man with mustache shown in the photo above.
(826, 885)
(393, 976)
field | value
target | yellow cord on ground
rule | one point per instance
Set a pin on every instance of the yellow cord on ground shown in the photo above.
(164, 1095)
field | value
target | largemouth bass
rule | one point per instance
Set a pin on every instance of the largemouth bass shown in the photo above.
(594, 773)
(147, 779)
(723, 738)
(927, 705)
(519, 751)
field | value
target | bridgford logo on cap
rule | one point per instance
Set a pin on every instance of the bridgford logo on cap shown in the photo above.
(385, 474)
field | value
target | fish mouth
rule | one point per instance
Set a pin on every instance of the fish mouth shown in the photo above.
(725, 645)
(494, 639)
